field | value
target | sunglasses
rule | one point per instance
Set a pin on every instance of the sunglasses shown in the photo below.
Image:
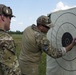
(46, 26)
(7, 16)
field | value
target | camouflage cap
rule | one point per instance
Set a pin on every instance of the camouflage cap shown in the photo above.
(44, 20)
(6, 10)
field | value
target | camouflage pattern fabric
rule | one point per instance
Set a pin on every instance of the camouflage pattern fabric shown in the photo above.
(8, 60)
(44, 20)
(34, 42)
(44, 44)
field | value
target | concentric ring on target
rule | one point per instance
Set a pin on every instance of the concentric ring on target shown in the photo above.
(66, 39)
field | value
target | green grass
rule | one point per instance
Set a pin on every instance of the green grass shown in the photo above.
(42, 67)
(17, 38)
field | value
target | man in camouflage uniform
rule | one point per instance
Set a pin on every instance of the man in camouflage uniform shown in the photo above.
(34, 42)
(8, 60)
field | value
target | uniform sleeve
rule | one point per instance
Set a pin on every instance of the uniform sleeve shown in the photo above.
(50, 50)
(44, 44)
(8, 60)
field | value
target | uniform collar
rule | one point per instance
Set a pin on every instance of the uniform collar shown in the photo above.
(34, 27)
(1, 30)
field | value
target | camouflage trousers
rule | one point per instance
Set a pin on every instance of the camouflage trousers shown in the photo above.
(9, 71)
(28, 68)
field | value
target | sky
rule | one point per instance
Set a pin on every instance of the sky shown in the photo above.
(27, 11)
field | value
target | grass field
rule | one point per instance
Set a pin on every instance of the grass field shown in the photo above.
(42, 66)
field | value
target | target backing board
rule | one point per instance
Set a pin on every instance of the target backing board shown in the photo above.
(62, 35)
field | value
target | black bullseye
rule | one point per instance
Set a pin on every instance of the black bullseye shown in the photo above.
(66, 39)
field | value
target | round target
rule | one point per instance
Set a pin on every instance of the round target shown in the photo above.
(61, 36)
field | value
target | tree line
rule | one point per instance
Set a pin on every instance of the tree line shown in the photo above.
(15, 32)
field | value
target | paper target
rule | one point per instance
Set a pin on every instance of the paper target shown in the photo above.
(62, 35)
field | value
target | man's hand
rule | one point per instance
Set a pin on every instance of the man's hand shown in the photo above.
(74, 42)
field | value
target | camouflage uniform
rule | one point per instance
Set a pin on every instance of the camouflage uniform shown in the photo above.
(34, 42)
(8, 60)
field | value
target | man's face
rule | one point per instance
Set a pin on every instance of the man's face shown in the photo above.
(7, 23)
(45, 29)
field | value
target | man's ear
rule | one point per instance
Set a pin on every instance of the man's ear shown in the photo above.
(2, 17)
